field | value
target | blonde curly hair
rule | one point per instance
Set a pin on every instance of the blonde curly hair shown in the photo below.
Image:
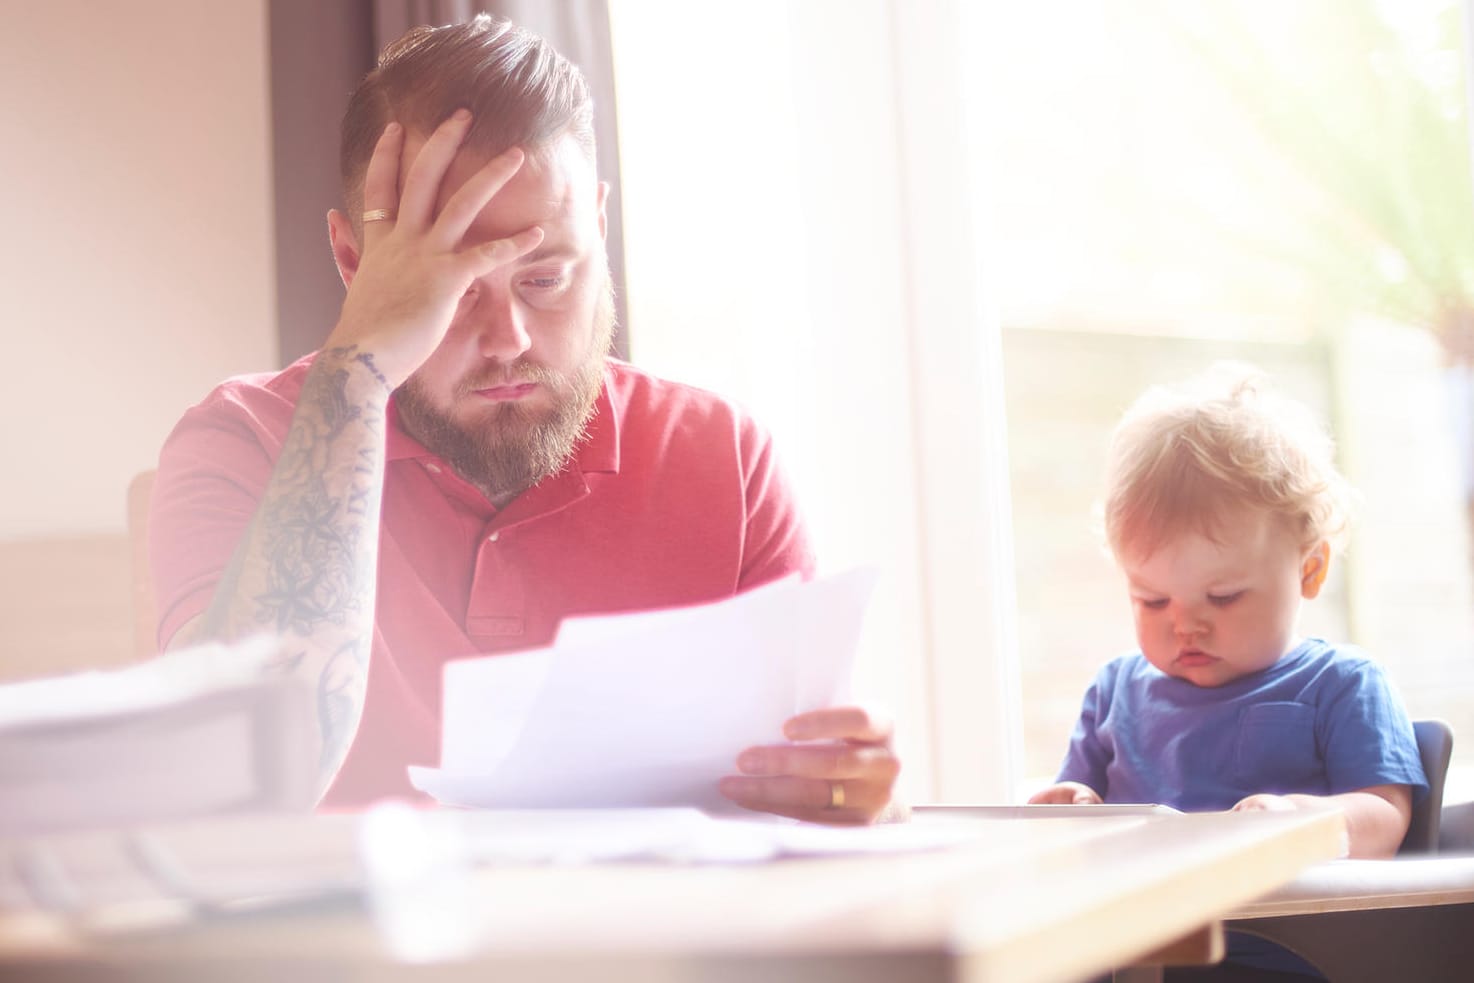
(1186, 458)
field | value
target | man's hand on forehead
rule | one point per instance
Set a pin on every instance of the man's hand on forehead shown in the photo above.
(465, 159)
(411, 267)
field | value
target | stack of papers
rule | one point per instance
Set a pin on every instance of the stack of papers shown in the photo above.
(647, 709)
(192, 733)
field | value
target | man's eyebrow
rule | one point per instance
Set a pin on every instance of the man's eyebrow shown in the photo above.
(549, 250)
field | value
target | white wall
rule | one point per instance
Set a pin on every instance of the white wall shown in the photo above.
(135, 253)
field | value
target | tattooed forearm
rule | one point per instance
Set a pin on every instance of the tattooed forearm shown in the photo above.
(338, 703)
(286, 662)
(312, 576)
(306, 569)
(366, 359)
(313, 527)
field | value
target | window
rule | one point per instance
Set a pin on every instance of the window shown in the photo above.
(1285, 184)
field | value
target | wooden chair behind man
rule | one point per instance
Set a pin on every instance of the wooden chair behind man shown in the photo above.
(145, 627)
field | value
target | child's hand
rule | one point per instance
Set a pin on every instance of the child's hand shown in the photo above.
(1066, 794)
(1264, 802)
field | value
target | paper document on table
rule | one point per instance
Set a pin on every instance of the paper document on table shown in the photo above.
(648, 709)
(671, 834)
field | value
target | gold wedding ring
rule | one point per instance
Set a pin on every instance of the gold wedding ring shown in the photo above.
(836, 795)
(378, 215)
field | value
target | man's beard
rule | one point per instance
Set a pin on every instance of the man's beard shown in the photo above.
(510, 447)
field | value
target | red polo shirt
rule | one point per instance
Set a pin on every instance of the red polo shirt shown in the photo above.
(673, 499)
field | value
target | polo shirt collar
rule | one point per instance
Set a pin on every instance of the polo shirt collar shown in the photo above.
(599, 451)
(399, 445)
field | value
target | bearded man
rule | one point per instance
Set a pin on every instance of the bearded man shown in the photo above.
(462, 465)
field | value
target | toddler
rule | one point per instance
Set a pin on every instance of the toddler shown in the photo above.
(1223, 508)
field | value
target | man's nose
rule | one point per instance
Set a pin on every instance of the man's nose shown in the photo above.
(501, 329)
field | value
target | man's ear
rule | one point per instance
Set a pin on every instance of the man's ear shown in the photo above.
(1313, 569)
(345, 245)
(604, 210)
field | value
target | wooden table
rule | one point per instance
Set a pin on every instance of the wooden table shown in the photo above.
(1027, 899)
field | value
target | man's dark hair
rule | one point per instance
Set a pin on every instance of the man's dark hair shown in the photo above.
(520, 91)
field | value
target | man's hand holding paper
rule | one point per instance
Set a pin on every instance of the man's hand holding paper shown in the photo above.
(847, 774)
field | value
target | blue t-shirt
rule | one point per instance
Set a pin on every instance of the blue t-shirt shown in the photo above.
(1321, 721)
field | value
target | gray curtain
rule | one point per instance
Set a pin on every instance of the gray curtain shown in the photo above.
(319, 51)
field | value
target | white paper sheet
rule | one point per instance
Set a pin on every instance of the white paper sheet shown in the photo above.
(668, 835)
(648, 709)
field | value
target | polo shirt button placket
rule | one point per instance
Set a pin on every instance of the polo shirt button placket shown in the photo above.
(496, 611)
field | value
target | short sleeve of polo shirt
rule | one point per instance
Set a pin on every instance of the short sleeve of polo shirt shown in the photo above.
(213, 471)
(775, 541)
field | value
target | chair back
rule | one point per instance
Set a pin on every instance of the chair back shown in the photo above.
(145, 626)
(1456, 828)
(1435, 747)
